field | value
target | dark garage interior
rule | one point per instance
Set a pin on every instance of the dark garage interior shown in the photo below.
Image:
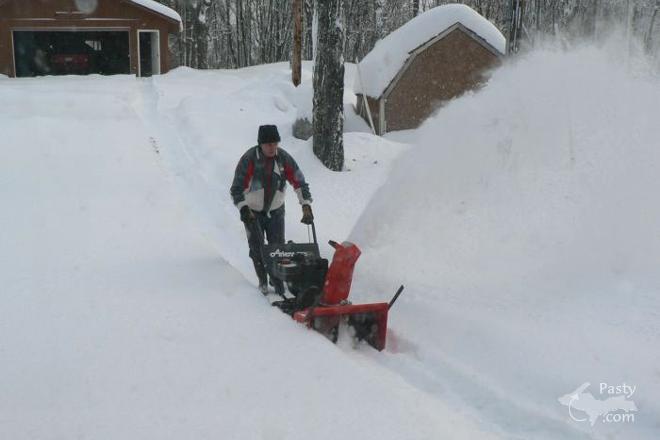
(39, 53)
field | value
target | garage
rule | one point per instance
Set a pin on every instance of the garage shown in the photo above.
(71, 52)
(74, 37)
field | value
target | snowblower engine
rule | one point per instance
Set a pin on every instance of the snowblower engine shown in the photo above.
(320, 292)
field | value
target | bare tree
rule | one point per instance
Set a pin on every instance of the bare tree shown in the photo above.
(415, 8)
(238, 33)
(328, 119)
(648, 40)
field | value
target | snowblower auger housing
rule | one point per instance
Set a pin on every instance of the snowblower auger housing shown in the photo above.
(321, 292)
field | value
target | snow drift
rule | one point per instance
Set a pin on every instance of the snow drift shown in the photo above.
(526, 224)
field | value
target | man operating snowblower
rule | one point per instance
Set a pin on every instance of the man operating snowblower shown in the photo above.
(258, 192)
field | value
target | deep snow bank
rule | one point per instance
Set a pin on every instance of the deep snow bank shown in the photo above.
(526, 224)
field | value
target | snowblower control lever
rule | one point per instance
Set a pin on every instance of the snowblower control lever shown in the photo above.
(396, 296)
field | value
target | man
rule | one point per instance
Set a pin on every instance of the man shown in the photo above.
(258, 192)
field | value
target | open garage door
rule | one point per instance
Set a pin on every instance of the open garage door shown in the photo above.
(71, 52)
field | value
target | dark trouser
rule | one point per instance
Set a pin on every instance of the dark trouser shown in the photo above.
(272, 227)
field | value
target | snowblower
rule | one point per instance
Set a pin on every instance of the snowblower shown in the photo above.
(320, 292)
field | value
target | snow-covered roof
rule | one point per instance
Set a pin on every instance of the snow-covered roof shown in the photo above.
(161, 9)
(382, 64)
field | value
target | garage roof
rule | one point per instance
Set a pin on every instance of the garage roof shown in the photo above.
(160, 9)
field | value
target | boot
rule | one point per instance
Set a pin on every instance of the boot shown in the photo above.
(278, 285)
(261, 275)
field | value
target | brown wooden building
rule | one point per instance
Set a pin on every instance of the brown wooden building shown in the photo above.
(58, 37)
(451, 62)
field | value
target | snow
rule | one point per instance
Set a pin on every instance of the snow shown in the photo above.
(128, 308)
(161, 9)
(382, 64)
(521, 219)
(525, 227)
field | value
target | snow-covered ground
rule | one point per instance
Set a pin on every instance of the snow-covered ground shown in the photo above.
(120, 319)
(521, 220)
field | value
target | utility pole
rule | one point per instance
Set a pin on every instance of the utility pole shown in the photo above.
(296, 58)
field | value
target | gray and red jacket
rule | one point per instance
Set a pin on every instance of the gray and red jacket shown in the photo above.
(251, 184)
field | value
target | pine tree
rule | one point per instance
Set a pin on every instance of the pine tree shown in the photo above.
(328, 119)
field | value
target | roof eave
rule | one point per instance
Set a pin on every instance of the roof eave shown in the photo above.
(177, 26)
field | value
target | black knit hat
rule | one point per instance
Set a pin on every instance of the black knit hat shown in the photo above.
(268, 134)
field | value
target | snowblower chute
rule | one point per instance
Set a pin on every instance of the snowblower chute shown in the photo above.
(321, 292)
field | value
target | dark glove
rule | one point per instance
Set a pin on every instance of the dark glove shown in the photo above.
(308, 217)
(247, 216)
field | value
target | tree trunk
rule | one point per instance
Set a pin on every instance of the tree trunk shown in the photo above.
(233, 56)
(297, 43)
(648, 43)
(315, 29)
(201, 35)
(308, 43)
(516, 11)
(328, 119)
(538, 18)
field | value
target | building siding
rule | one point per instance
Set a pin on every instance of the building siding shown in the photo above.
(448, 68)
(62, 14)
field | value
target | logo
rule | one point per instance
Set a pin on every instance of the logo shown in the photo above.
(284, 254)
(615, 408)
(279, 253)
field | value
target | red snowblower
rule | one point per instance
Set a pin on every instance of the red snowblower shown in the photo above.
(320, 293)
